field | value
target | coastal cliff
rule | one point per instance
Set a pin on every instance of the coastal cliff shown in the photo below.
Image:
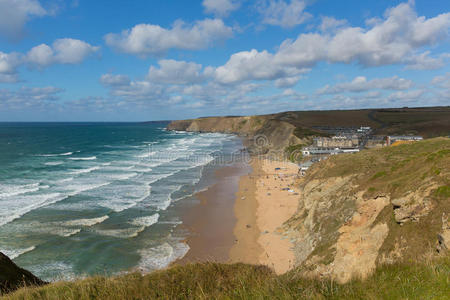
(360, 211)
(260, 133)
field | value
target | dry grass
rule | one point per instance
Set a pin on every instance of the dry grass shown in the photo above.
(429, 280)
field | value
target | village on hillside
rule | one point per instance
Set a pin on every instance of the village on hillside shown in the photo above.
(347, 140)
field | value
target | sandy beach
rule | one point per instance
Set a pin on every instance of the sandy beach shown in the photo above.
(212, 221)
(239, 218)
(266, 199)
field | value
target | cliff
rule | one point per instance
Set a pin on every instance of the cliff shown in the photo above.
(360, 211)
(12, 277)
(261, 133)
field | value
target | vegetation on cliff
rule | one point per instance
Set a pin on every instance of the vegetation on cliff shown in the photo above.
(426, 280)
(360, 211)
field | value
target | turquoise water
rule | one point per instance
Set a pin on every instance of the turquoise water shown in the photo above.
(86, 198)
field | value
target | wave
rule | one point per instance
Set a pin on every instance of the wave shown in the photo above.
(15, 253)
(54, 163)
(83, 171)
(121, 204)
(161, 256)
(9, 190)
(86, 222)
(125, 233)
(12, 210)
(83, 158)
(52, 155)
(66, 232)
(145, 221)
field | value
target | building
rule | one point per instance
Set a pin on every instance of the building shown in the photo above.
(390, 139)
(339, 141)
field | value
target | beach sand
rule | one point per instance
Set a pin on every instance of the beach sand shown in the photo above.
(266, 199)
(239, 218)
(212, 221)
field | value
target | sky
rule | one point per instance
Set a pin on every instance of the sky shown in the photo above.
(142, 60)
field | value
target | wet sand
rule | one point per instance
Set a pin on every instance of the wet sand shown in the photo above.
(212, 221)
(239, 218)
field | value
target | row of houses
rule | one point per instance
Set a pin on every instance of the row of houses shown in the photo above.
(351, 142)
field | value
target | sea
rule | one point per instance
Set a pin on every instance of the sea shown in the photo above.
(78, 199)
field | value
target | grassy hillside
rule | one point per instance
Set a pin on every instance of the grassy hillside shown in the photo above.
(429, 280)
(359, 211)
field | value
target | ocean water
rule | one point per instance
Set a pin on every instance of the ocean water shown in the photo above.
(98, 198)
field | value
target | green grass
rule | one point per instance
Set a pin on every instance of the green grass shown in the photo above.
(427, 280)
(294, 152)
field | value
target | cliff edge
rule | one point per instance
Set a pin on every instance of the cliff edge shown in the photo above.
(13, 277)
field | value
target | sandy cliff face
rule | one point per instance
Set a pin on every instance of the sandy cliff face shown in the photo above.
(379, 206)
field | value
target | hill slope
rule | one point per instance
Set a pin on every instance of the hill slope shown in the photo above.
(289, 128)
(359, 211)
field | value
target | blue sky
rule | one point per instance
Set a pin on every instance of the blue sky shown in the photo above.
(139, 60)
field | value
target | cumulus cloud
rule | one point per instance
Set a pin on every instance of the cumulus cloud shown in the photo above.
(282, 13)
(331, 24)
(176, 72)
(393, 40)
(8, 67)
(15, 14)
(63, 51)
(220, 8)
(148, 39)
(424, 61)
(114, 80)
(254, 65)
(26, 97)
(361, 84)
(406, 95)
(442, 81)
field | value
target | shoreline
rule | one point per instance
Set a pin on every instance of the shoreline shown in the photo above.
(212, 220)
(239, 217)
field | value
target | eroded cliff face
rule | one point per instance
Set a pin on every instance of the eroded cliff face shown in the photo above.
(263, 133)
(358, 211)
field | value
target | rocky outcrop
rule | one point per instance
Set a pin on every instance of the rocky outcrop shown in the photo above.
(262, 133)
(13, 277)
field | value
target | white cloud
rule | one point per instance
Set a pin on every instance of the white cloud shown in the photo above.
(393, 40)
(63, 51)
(15, 13)
(389, 41)
(287, 81)
(282, 13)
(176, 72)
(26, 97)
(331, 24)
(406, 96)
(361, 84)
(442, 81)
(221, 8)
(253, 65)
(148, 39)
(114, 80)
(425, 62)
(8, 64)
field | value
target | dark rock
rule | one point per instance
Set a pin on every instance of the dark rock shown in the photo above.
(13, 277)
